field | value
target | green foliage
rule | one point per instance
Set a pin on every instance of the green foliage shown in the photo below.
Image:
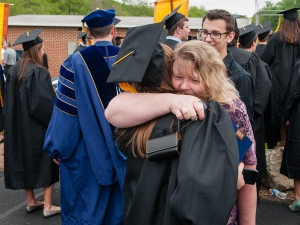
(79, 7)
(82, 7)
(194, 11)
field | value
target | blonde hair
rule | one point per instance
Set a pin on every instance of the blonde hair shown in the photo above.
(200, 57)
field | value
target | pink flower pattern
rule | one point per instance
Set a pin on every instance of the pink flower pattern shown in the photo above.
(240, 117)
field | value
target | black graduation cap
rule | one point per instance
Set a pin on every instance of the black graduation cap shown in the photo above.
(247, 33)
(172, 18)
(137, 61)
(290, 14)
(81, 35)
(116, 21)
(263, 29)
(29, 39)
(235, 16)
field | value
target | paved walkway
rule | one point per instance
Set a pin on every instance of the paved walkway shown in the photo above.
(13, 203)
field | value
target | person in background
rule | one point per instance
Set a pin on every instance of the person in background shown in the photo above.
(178, 30)
(218, 31)
(45, 61)
(281, 53)
(290, 115)
(81, 41)
(263, 31)
(2, 84)
(9, 57)
(79, 137)
(260, 72)
(29, 101)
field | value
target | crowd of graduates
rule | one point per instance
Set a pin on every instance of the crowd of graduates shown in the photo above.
(223, 95)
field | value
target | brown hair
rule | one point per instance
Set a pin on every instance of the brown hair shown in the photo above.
(100, 32)
(248, 45)
(290, 31)
(30, 56)
(142, 133)
(219, 14)
(179, 24)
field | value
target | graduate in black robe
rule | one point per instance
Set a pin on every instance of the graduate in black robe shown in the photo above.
(290, 112)
(281, 54)
(259, 71)
(176, 21)
(263, 32)
(29, 101)
(199, 187)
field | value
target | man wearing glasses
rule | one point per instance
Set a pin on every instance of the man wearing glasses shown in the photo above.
(217, 30)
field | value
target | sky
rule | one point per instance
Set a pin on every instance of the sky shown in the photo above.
(241, 7)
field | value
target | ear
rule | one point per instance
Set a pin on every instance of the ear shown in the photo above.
(88, 31)
(178, 30)
(230, 36)
(113, 32)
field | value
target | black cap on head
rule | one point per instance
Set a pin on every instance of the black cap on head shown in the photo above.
(81, 35)
(116, 21)
(172, 18)
(247, 33)
(236, 17)
(263, 29)
(29, 39)
(137, 62)
(290, 14)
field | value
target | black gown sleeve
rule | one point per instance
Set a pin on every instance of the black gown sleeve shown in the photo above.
(268, 54)
(40, 95)
(292, 94)
(207, 170)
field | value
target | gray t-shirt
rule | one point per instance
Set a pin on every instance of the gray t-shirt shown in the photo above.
(10, 56)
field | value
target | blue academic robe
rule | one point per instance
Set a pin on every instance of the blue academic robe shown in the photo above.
(92, 169)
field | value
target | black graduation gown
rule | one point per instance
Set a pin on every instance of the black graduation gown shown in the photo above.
(259, 49)
(262, 88)
(199, 187)
(79, 47)
(281, 57)
(28, 109)
(243, 82)
(171, 43)
(290, 110)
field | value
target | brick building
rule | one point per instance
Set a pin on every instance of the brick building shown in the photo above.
(60, 32)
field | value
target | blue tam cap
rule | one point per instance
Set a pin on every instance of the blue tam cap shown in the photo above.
(99, 18)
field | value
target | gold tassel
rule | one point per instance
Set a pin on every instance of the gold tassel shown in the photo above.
(127, 87)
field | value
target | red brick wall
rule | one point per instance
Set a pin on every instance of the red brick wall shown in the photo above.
(55, 42)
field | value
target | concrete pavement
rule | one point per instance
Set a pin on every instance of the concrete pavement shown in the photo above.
(13, 204)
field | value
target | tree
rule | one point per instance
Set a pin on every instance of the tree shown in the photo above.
(194, 11)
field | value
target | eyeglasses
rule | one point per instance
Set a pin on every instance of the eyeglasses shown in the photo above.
(213, 35)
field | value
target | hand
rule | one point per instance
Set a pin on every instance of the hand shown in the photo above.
(240, 181)
(287, 123)
(57, 161)
(187, 107)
